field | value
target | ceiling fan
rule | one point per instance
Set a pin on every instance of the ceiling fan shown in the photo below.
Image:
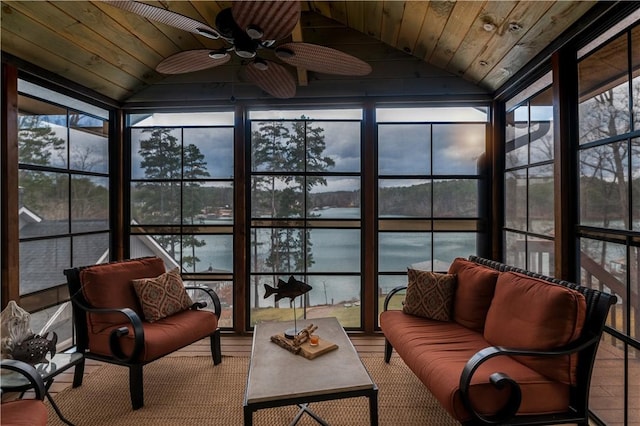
(246, 28)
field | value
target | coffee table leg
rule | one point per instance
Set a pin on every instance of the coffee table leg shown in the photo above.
(373, 408)
(304, 408)
(248, 416)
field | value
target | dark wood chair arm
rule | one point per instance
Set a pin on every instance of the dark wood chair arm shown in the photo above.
(114, 339)
(29, 372)
(500, 380)
(391, 294)
(217, 307)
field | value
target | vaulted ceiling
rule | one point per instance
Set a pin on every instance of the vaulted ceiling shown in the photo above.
(414, 47)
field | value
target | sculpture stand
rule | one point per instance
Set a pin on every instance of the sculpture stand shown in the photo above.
(291, 333)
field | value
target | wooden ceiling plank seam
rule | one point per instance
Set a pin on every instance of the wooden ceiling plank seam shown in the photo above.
(15, 45)
(339, 12)
(322, 7)
(474, 44)
(549, 27)
(373, 21)
(525, 15)
(392, 12)
(355, 15)
(412, 21)
(460, 21)
(186, 8)
(432, 28)
(208, 10)
(52, 42)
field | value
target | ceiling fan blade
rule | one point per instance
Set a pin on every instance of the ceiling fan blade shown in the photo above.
(275, 79)
(167, 17)
(276, 19)
(190, 60)
(321, 59)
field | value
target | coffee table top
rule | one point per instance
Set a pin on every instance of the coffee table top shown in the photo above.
(47, 370)
(275, 373)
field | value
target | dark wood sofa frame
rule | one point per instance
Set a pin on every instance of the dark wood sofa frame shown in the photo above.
(81, 307)
(586, 347)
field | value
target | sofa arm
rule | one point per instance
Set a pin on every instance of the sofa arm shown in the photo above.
(391, 294)
(114, 339)
(215, 300)
(500, 380)
(29, 372)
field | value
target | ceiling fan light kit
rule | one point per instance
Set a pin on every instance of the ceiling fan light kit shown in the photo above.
(249, 27)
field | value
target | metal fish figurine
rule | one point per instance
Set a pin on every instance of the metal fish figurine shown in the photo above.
(34, 349)
(291, 289)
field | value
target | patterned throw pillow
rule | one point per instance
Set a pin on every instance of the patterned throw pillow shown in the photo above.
(162, 296)
(429, 294)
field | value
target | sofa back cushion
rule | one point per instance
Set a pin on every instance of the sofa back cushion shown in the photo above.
(529, 313)
(474, 292)
(429, 294)
(110, 285)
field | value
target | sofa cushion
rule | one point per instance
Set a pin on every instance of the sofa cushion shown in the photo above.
(429, 294)
(109, 286)
(24, 412)
(162, 296)
(436, 352)
(474, 291)
(529, 313)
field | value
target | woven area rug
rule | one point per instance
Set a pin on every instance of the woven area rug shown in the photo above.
(191, 391)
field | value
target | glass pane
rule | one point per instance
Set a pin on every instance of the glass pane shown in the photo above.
(155, 203)
(607, 260)
(278, 250)
(335, 296)
(333, 250)
(515, 249)
(515, 199)
(404, 198)
(398, 250)
(166, 246)
(433, 114)
(341, 146)
(404, 149)
(220, 118)
(603, 186)
(541, 258)
(89, 203)
(315, 114)
(42, 133)
(90, 249)
(455, 198)
(208, 152)
(517, 143)
(634, 308)
(449, 245)
(457, 148)
(207, 203)
(635, 182)
(635, 69)
(603, 88)
(224, 290)
(277, 146)
(156, 154)
(386, 283)
(42, 263)
(57, 319)
(88, 143)
(207, 253)
(44, 203)
(334, 198)
(606, 396)
(277, 196)
(541, 127)
(541, 201)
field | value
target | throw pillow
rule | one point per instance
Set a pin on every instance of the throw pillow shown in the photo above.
(429, 294)
(162, 296)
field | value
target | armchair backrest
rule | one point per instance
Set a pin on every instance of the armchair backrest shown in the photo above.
(107, 285)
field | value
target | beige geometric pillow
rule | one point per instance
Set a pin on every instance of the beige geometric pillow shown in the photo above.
(162, 296)
(429, 294)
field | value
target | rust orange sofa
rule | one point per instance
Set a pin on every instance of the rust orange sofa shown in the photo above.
(519, 347)
(27, 411)
(110, 322)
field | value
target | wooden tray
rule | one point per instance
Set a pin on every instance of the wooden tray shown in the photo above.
(310, 352)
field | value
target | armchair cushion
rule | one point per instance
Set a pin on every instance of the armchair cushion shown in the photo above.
(109, 286)
(162, 296)
(24, 412)
(429, 294)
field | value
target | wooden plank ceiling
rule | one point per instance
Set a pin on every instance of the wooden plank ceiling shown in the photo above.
(414, 47)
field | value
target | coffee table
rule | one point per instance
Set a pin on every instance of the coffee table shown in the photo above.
(335, 375)
(16, 382)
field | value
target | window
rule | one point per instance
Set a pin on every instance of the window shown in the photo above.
(63, 149)
(529, 179)
(181, 196)
(429, 189)
(305, 190)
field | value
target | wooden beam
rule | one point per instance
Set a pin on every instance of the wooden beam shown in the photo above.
(296, 36)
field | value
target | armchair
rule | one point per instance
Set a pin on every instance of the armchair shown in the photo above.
(25, 411)
(111, 326)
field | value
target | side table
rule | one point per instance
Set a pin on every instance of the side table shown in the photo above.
(15, 382)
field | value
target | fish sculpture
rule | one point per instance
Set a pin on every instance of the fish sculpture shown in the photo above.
(291, 289)
(34, 349)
